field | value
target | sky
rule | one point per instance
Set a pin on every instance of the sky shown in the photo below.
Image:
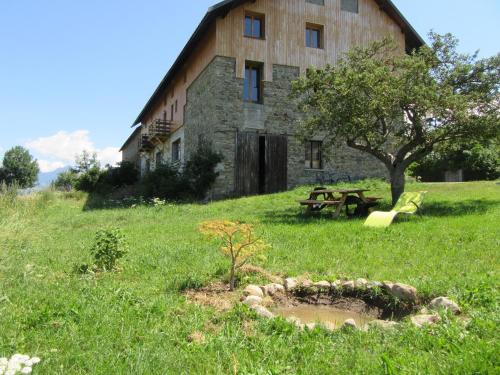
(74, 75)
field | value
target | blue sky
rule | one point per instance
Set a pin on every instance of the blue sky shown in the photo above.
(75, 74)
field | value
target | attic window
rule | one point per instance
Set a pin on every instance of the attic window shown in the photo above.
(254, 25)
(350, 6)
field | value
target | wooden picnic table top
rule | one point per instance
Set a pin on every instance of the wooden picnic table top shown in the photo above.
(339, 191)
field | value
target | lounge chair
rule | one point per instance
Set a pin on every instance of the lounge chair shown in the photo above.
(408, 204)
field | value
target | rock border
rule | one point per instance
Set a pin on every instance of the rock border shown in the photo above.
(255, 295)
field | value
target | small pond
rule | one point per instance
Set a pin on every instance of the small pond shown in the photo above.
(328, 316)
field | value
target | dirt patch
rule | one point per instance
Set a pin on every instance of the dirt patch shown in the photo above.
(216, 295)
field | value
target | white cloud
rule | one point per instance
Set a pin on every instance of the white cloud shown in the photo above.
(50, 166)
(60, 150)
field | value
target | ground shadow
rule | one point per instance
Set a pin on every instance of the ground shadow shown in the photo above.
(462, 208)
(294, 216)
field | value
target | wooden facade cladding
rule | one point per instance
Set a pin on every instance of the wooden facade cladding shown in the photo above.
(202, 55)
(284, 42)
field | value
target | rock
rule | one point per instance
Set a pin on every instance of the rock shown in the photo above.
(290, 284)
(296, 321)
(350, 323)
(311, 326)
(253, 290)
(336, 285)
(272, 289)
(446, 304)
(306, 284)
(322, 285)
(361, 283)
(403, 292)
(348, 285)
(252, 301)
(263, 312)
(374, 284)
(385, 324)
(423, 320)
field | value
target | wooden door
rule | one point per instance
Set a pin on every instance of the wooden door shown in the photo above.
(247, 164)
(276, 169)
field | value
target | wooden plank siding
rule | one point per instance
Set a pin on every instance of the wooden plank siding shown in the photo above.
(285, 24)
(200, 58)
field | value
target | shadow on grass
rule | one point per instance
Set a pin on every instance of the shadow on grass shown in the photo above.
(295, 216)
(463, 208)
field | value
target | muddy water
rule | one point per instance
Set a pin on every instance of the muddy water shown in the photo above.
(328, 316)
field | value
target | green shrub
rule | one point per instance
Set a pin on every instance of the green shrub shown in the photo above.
(125, 174)
(66, 181)
(109, 246)
(478, 162)
(165, 182)
(200, 171)
(170, 182)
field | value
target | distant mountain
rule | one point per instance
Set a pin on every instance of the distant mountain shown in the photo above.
(45, 179)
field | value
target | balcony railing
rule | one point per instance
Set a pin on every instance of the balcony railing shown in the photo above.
(145, 144)
(159, 131)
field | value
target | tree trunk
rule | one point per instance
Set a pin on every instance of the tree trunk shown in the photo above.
(232, 277)
(397, 183)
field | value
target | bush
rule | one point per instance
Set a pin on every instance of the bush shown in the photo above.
(478, 162)
(165, 182)
(200, 171)
(169, 182)
(124, 175)
(109, 246)
(66, 181)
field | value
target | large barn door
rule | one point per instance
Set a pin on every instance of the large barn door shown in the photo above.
(247, 164)
(276, 163)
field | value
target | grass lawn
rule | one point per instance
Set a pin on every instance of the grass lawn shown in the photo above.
(137, 321)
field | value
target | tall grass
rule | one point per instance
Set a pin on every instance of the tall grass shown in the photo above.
(137, 321)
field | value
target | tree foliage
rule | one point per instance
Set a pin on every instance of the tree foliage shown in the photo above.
(19, 168)
(398, 107)
(238, 241)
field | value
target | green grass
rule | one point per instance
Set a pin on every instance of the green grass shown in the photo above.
(136, 321)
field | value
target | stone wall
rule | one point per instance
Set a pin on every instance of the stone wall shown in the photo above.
(215, 112)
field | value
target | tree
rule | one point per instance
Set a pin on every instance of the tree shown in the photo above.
(88, 170)
(19, 167)
(398, 107)
(238, 242)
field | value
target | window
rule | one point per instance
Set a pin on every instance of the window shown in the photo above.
(349, 6)
(252, 85)
(313, 155)
(176, 150)
(254, 26)
(172, 112)
(176, 106)
(314, 36)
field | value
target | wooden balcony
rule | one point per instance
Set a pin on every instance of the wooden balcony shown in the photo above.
(160, 131)
(145, 144)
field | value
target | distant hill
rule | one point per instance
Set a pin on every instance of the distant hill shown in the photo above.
(45, 179)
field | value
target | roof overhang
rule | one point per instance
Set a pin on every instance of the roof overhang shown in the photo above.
(130, 139)
(413, 41)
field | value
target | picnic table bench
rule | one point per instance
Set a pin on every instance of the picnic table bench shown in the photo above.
(347, 197)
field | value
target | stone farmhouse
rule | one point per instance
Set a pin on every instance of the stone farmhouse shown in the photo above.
(230, 88)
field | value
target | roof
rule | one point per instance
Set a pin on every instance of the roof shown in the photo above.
(132, 136)
(413, 40)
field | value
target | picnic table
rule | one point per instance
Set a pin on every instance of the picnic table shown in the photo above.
(339, 198)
